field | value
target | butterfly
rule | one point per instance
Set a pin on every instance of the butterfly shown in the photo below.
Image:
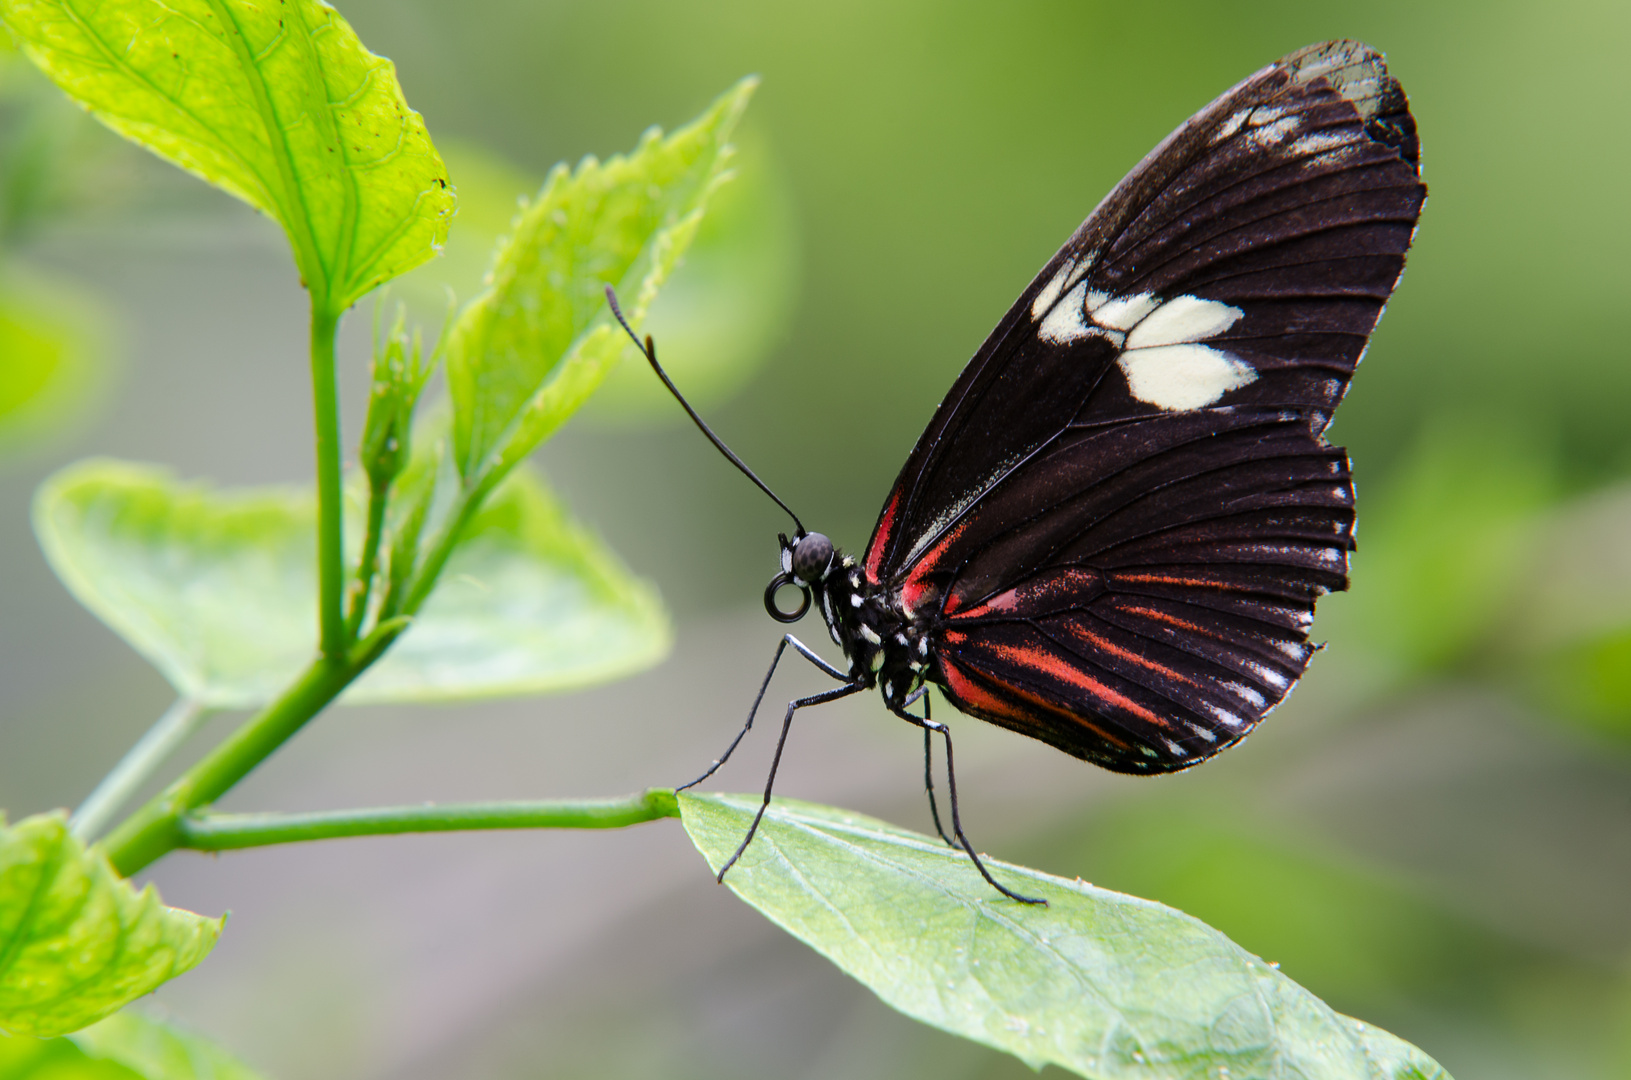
(1113, 532)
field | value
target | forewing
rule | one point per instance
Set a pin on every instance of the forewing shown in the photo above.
(1121, 516)
(1245, 261)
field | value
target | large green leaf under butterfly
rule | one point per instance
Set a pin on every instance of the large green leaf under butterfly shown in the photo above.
(1102, 984)
(279, 104)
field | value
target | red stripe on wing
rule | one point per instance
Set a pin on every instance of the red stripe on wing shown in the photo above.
(1062, 670)
(916, 585)
(1057, 590)
(1097, 641)
(975, 699)
(1171, 579)
(880, 538)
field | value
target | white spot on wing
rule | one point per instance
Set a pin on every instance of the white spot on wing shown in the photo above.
(1070, 272)
(1266, 114)
(1230, 126)
(1247, 693)
(1177, 750)
(1270, 676)
(1068, 320)
(1179, 377)
(1181, 320)
(1292, 649)
(1050, 292)
(1124, 312)
(1275, 133)
(1320, 141)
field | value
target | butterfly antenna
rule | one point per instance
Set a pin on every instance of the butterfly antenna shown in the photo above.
(649, 348)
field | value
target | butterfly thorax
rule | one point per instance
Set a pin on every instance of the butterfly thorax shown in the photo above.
(885, 645)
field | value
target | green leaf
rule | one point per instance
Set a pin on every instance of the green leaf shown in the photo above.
(216, 589)
(77, 942)
(716, 318)
(281, 105)
(158, 1051)
(492, 191)
(526, 353)
(26, 1058)
(125, 1046)
(725, 307)
(1102, 984)
(530, 602)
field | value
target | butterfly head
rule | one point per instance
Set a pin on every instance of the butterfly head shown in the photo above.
(811, 557)
(807, 559)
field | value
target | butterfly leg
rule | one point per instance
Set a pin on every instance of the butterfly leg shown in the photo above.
(781, 647)
(934, 726)
(775, 762)
(928, 762)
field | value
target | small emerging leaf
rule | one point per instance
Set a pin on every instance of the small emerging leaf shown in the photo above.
(1102, 984)
(279, 104)
(527, 352)
(725, 307)
(217, 590)
(77, 942)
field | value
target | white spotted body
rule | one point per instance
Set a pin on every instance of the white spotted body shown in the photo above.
(885, 645)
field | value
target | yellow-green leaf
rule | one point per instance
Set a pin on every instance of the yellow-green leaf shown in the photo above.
(77, 941)
(1100, 983)
(217, 589)
(279, 104)
(155, 1050)
(527, 352)
(125, 1046)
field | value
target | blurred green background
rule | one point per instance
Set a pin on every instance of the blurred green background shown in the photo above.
(1434, 834)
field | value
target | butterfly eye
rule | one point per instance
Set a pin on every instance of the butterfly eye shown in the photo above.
(777, 613)
(811, 557)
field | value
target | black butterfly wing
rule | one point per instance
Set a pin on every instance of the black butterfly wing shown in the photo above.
(1160, 605)
(1122, 513)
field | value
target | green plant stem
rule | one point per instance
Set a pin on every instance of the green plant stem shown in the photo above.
(363, 584)
(155, 829)
(330, 536)
(225, 832)
(179, 722)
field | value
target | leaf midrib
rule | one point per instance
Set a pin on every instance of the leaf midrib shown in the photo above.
(300, 232)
